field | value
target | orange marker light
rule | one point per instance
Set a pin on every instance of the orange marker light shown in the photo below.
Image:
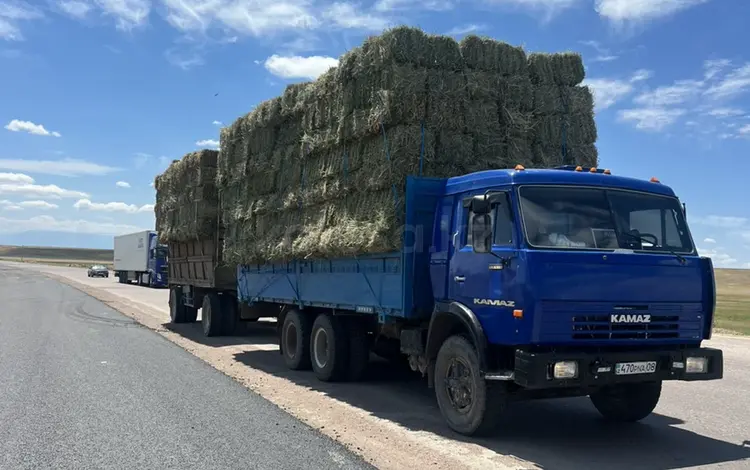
(520, 168)
(607, 172)
(517, 313)
(593, 170)
(579, 168)
(654, 179)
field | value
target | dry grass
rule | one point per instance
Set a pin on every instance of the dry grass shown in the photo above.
(733, 300)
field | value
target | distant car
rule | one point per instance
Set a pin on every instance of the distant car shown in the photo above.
(98, 271)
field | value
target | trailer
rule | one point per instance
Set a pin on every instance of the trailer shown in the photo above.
(511, 284)
(139, 258)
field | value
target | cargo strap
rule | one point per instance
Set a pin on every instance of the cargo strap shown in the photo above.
(388, 157)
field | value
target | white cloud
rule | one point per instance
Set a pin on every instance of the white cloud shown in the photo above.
(607, 91)
(122, 184)
(349, 16)
(604, 58)
(251, 17)
(11, 13)
(15, 178)
(651, 119)
(217, 123)
(725, 112)
(620, 11)
(733, 84)
(209, 143)
(466, 29)
(112, 206)
(46, 223)
(27, 126)
(49, 191)
(745, 130)
(721, 221)
(713, 67)
(75, 8)
(127, 14)
(432, 5)
(44, 205)
(720, 258)
(184, 59)
(9, 206)
(641, 75)
(548, 7)
(65, 167)
(678, 93)
(299, 67)
(709, 240)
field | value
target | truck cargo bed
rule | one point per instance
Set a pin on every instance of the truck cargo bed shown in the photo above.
(392, 284)
(197, 263)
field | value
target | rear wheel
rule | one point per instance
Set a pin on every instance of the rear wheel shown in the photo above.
(627, 402)
(229, 313)
(176, 305)
(295, 340)
(211, 315)
(329, 348)
(467, 402)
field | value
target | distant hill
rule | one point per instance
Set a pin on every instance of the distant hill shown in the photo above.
(57, 254)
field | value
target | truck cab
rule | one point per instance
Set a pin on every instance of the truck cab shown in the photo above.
(158, 263)
(564, 282)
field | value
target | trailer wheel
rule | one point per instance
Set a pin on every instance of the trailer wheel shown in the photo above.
(467, 402)
(295, 340)
(627, 403)
(329, 348)
(229, 312)
(176, 305)
(211, 315)
(359, 349)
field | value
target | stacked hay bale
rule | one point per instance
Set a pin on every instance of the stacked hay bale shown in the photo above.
(320, 172)
(187, 199)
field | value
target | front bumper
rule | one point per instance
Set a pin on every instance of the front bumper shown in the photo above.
(533, 370)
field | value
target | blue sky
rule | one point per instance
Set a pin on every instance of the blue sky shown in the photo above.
(97, 96)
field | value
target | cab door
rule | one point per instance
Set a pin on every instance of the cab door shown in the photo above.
(487, 282)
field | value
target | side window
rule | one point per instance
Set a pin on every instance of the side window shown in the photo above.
(647, 221)
(501, 221)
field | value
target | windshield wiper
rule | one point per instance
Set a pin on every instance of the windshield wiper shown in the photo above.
(679, 257)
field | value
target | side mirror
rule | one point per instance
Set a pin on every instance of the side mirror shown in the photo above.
(481, 233)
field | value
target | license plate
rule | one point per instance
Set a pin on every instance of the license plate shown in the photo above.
(632, 368)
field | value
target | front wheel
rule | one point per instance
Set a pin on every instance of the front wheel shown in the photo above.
(627, 403)
(467, 402)
(211, 315)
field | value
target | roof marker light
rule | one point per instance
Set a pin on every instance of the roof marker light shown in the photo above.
(607, 172)
(592, 170)
(654, 179)
(579, 168)
(520, 168)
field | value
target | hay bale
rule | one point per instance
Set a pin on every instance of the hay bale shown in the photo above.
(554, 99)
(559, 69)
(447, 100)
(571, 129)
(555, 155)
(485, 54)
(407, 45)
(509, 92)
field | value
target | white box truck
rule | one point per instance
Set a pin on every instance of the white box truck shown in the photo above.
(139, 257)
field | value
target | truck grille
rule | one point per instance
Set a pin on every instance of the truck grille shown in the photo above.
(591, 322)
(599, 327)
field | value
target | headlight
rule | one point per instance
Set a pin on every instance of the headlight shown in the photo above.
(565, 370)
(696, 365)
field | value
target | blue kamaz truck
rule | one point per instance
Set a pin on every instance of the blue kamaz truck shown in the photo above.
(138, 257)
(511, 284)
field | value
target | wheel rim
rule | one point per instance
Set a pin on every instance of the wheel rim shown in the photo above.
(320, 348)
(459, 385)
(290, 342)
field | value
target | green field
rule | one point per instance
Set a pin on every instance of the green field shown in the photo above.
(733, 285)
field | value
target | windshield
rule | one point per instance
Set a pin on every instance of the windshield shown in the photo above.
(162, 252)
(592, 218)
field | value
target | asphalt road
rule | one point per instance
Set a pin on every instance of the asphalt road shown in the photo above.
(696, 425)
(82, 386)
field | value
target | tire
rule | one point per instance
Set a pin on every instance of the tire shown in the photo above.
(627, 403)
(296, 332)
(211, 316)
(176, 306)
(359, 349)
(329, 348)
(230, 313)
(480, 409)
